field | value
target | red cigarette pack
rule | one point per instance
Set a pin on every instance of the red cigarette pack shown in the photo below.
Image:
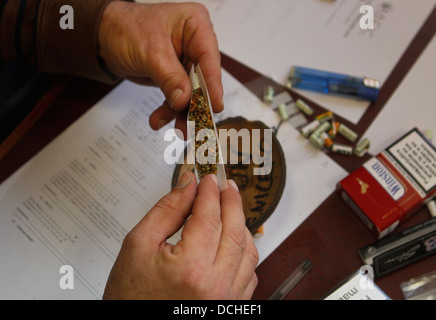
(391, 186)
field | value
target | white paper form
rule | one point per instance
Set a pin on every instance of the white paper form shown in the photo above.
(412, 105)
(73, 202)
(271, 36)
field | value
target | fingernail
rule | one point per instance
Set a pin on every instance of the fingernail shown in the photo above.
(184, 180)
(233, 184)
(175, 95)
(215, 179)
(219, 108)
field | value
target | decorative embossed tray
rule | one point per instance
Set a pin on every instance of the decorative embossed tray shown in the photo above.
(257, 167)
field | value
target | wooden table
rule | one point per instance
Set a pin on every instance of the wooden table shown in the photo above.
(331, 235)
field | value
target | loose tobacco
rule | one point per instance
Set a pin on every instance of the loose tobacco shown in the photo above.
(199, 112)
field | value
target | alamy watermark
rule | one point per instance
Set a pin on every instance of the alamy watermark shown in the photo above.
(256, 148)
(367, 20)
(367, 279)
(67, 20)
(67, 280)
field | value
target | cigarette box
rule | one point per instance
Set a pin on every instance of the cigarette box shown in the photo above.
(391, 186)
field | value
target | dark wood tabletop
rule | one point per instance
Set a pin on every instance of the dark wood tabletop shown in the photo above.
(330, 237)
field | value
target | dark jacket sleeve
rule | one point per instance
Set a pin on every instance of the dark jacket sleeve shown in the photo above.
(30, 33)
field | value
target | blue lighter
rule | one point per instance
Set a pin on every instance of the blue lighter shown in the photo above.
(333, 83)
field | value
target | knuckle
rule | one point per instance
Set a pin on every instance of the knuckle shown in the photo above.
(253, 256)
(212, 222)
(168, 80)
(252, 252)
(199, 8)
(255, 280)
(237, 238)
(131, 239)
(168, 203)
(193, 277)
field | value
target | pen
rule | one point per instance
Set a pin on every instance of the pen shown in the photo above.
(333, 83)
(291, 281)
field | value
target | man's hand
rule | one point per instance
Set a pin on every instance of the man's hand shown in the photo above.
(158, 42)
(216, 258)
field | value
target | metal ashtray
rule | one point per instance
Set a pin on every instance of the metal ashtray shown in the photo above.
(260, 169)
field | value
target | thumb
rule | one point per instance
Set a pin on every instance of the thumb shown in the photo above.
(172, 78)
(168, 214)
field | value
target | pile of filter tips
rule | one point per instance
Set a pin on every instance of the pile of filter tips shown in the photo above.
(322, 131)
